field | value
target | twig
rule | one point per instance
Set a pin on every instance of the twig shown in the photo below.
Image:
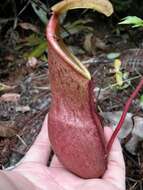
(139, 160)
(23, 9)
(42, 88)
(141, 185)
(131, 179)
(133, 187)
(22, 141)
(134, 162)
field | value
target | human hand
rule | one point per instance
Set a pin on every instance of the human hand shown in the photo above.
(33, 168)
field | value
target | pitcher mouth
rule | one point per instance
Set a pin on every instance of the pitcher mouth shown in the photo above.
(102, 6)
(54, 39)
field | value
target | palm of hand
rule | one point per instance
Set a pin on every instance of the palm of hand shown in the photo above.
(56, 177)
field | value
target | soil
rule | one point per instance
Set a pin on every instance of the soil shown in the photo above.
(32, 84)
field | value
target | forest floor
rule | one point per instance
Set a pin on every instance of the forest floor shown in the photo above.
(25, 94)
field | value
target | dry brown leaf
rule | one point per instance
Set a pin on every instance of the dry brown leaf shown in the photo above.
(98, 43)
(137, 135)
(88, 43)
(9, 57)
(7, 131)
(138, 127)
(29, 26)
(114, 117)
(22, 109)
(91, 43)
(12, 97)
(103, 6)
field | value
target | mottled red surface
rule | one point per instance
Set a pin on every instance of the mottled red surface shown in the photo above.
(75, 130)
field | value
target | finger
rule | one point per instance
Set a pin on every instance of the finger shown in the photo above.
(56, 163)
(67, 179)
(40, 150)
(116, 167)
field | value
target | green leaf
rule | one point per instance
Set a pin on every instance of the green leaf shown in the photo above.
(41, 10)
(38, 50)
(132, 20)
(113, 55)
(141, 99)
(33, 40)
(76, 27)
(119, 78)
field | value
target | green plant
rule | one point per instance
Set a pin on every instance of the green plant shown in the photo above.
(37, 43)
(132, 20)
